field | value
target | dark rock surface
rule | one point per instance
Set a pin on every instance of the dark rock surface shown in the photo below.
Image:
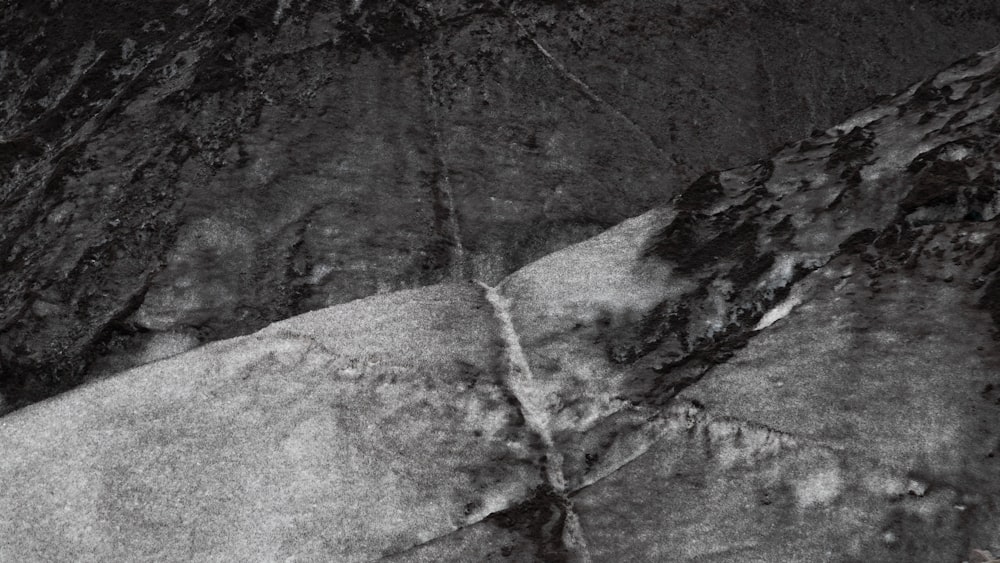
(172, 173)
(792, 360)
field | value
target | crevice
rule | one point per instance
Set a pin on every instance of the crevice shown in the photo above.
(690, 417)
(442, 182)
(519, 382)
(686, 416)
(693, 418)
(584, 88)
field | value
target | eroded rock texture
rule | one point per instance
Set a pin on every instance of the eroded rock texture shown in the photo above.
(792, 360)
(172, 173)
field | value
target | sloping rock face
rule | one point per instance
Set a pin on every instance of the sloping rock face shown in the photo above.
(173, 173)
(337, 435)
(794, 360)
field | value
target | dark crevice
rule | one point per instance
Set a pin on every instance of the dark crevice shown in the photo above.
(541, 520)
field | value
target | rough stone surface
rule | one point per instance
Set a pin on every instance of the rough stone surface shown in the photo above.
(792, 360)
(201, 169)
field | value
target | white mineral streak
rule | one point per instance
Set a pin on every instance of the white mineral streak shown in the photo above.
(778, 312)
(536, 415)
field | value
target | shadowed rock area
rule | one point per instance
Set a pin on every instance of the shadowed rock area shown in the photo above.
(173, 173)
(791, 360)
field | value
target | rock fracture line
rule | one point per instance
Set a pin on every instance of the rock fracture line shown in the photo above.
(519, 381)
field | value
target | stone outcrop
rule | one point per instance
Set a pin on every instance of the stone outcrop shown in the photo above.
(793, 360)
(173, 173)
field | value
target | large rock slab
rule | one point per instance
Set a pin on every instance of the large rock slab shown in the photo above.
(339, 435)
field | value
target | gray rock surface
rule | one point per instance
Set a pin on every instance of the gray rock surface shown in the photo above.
(794, 360)
(173, 173)
(336, 435)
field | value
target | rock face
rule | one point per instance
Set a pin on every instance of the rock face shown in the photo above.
(173, 173)
(793, 360)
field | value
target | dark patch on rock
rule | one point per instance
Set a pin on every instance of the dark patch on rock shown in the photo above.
(627, 343)
(540, 519)
(810, 145)
(27, 378)
(852, 152)
(991, 299)
(675, 241)
(732, 243)
(783, 230)
(683, 353)
(693, 241)
(927, 93)
(959, 116)
(701, 194)
(939, 185)
(396, 27)
(218, 70)
(858, 241)
(16, 149)
(925, 159)
(991, 393)
(298, 268)
(758, 173)
(899, 244)
(910, 537)
(763, 171)
(970, 61)
(990, 87)
(748, 271)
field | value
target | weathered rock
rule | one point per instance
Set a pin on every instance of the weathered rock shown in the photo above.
(794, 360)
(202, 169)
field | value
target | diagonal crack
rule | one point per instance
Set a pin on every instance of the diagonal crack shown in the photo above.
(693, 417)
(675, 414)
(519, 382)
(582, 85)
(685, 416)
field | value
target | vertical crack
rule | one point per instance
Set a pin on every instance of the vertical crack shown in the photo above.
(443, 180)
(519, 381)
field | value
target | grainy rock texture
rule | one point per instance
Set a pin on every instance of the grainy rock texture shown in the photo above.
(172, 173)
(793, 360)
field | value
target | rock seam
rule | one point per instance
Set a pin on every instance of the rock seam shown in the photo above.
(518, 381)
